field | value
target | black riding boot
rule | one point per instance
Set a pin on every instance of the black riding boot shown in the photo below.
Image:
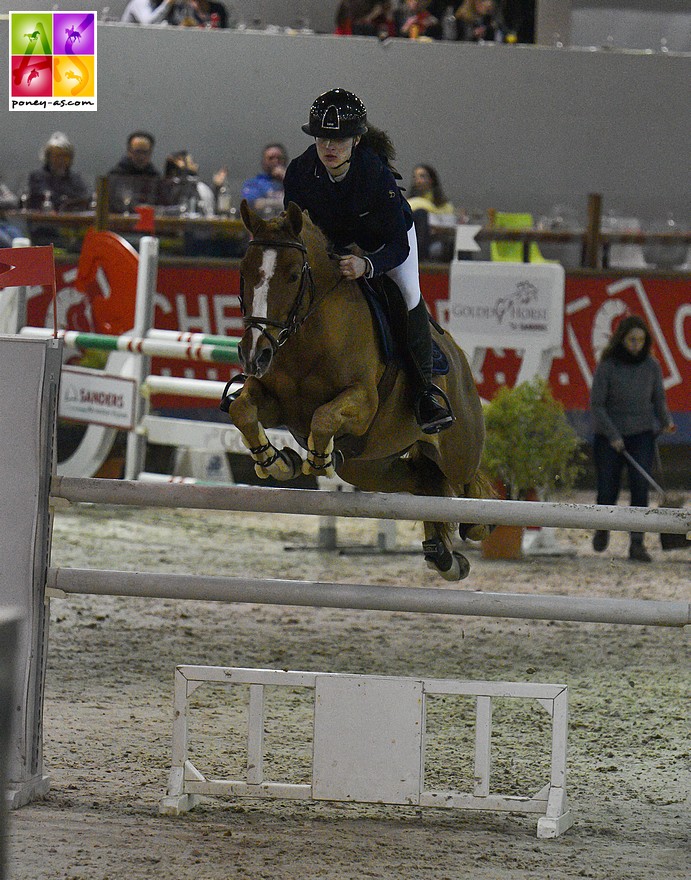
(432, 407)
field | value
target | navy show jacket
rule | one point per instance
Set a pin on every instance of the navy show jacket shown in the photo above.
(366, 207)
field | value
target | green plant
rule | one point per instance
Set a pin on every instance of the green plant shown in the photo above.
(530, 444)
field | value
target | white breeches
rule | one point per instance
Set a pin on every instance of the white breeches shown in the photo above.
(407, 275)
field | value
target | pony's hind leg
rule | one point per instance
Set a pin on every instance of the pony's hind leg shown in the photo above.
(417, 475)
(439, 556)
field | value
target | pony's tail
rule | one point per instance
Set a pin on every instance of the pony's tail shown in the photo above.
(479, 487)
(380, 143)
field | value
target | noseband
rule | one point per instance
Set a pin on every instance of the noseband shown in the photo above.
(293, 322)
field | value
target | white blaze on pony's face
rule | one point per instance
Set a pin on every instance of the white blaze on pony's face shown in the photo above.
(255, 349)
(260, 293)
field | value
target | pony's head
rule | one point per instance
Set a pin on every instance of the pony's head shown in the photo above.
(275, 281)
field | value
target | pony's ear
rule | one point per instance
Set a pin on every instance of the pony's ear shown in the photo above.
(294, 218)
(249, 217)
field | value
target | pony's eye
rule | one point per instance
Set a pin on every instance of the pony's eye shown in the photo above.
(293, 277)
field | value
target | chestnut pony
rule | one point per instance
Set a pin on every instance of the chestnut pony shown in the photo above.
(312, 357)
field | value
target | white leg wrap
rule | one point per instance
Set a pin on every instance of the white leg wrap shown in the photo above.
(319, 464)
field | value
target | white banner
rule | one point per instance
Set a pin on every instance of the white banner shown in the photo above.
(505, 305)
(97, 398)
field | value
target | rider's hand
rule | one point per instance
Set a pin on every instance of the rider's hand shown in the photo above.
(670, 428)
(352, 267)
(617, 445)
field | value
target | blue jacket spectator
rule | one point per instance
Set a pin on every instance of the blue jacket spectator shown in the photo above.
(264, 192)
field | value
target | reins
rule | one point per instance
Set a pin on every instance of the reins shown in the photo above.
(293, 322)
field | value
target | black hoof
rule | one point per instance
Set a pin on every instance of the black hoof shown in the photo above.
(292, 459)
(438, 554)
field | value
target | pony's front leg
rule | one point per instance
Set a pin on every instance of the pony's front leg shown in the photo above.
(253, 405)
(351, 412)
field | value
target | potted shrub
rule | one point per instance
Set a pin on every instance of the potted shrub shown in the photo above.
(530, 449)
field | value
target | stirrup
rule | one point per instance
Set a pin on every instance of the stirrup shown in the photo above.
(229, 396)
(439, 416)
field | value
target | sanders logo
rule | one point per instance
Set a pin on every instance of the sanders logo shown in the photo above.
(52, 61)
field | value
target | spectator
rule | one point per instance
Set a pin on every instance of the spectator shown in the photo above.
(426, 192)
(193, 196)
(479, 22)
(55, 185)
(135, 180)
(344, 19)
(264, 192)
(366, 18)
(429, 205)
(184, 187)
(628, 403)
(146, 11)
(198, 13)
(8, 231)
(419, 22)
(439, 9)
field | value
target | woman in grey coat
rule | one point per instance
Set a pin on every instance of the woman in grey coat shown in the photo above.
(628, 406)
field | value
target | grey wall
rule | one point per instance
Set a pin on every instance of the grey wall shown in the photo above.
(516, 128)
(633, 24)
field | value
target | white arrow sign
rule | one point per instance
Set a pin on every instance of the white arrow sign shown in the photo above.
(465, 238)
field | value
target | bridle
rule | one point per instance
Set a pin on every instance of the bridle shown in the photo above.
(293, 323)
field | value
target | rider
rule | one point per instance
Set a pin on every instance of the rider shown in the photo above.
(345, 183)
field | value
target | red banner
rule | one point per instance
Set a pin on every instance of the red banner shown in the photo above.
(205, 300)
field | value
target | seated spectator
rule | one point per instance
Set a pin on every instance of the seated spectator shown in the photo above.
(134, 180)
(480, 22)
(55, 186)
(183, 186)
(146, 11)
(198, 13)
(383, 19)
(193, 196)
(429, 205)
(8, 230)
(419, 22)
(264, 192)
(344, 19)
(368, 18)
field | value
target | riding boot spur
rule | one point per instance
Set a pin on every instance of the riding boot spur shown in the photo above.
(432, 407)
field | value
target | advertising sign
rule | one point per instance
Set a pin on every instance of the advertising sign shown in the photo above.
(97, 398)
(514, 305)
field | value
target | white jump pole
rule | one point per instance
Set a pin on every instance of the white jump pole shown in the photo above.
(147, 272)
(162, 585)
(252, 499)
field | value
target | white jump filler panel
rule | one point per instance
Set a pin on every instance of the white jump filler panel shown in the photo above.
(368, 743)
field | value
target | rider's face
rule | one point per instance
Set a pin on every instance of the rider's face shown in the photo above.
(334, 153)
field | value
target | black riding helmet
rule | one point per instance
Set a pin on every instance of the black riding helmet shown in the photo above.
(337, 114)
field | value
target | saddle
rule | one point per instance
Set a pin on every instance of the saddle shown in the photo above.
(390, 316)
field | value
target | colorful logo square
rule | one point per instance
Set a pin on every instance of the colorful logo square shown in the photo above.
(52, 61)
